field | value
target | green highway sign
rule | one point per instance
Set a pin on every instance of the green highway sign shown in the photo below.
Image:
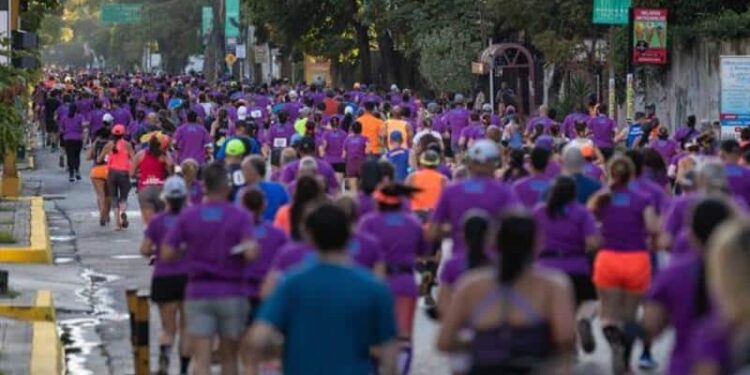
(611, 12)
(121, 13)
(207, 20)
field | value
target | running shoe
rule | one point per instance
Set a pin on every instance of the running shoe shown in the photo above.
(62, 161)
(163, 364)
(78, 176)
(647, 362)
(588, 344)
(124, 218)
(71, 179)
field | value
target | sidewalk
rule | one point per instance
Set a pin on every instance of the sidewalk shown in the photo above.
(15, 346)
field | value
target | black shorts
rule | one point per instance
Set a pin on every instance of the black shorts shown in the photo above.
(607, 152)
(583, 287)
(254, 307)
(166, 289)
(339, 167)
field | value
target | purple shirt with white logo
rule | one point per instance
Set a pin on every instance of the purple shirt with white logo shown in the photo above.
(191, 141)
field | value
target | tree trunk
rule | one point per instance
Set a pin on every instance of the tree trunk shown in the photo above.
(214, 52)
(365, 60)
(10, 169)
(388, 61)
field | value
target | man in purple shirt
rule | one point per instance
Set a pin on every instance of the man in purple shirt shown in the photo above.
(479, 191)
(603, 132)
(543, 120)
(666, 147)
(213, 237)
(306, 147)
(531, 190)
(456, 120)
(569, 124)
(191, 140)
(738, 176)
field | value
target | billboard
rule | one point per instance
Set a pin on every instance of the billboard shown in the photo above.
(611, 12)
(734, 106)
(649, 36)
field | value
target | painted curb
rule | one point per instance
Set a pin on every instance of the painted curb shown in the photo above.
(40, 250)
(43, 309)
(47, 354)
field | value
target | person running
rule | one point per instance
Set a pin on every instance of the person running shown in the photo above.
(430, 183)
(393, 125)
(270, 239)
(345, 310)
(118, 153)
(391, 221)
(152, 166)
(365, 249)
(569, 235)
(191, 140)
(479, 191)
(212, 237)
(354, 155)
(189, 169)
(71, 127)
(275, 194)
(169, 278)
(371, 129)
(522, 317)
(332, 147)
(738, 175)
(622, 268)
(603, 130)
(398, 155)
(679, 295)
(573, 165)
(235, 152)
(531, 190)
(306, 147)
(98, 174)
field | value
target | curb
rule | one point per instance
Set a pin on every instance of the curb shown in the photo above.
(39, 250)
(43, 310)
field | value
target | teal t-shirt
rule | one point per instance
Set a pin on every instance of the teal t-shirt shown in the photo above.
(330, 316)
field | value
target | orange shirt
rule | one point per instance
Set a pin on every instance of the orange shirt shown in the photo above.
(402, 126)
(371, 127)
(283, 219)
(430, 181)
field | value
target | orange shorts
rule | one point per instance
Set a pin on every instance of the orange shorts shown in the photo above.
(99, 172)
(623, 270)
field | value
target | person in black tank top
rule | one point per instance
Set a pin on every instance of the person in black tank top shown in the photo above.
(522, 319)
(99, 174)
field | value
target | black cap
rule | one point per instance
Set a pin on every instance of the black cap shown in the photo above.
(306, 144)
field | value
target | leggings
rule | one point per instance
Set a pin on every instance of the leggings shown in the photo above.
(118, 183)
(73, 153)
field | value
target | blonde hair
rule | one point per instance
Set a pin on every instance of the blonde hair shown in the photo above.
(189, 169)
(729, 270)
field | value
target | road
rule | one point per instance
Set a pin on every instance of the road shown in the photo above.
(95, 265)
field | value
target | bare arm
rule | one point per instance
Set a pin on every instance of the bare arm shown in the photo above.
(453, 321)
(266, 341)
(147, 247)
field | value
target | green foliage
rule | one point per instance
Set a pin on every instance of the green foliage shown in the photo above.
(445, 57)
(575, 97)
(11, 122)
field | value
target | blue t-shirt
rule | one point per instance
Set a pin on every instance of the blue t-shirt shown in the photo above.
(342, 310)
(400, 159)
(585, 187)
(635, 131)
(276, 196)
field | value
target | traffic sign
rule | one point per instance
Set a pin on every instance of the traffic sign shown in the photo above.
(121, 13)
(230, 59)
(612, 12)
(241, 51)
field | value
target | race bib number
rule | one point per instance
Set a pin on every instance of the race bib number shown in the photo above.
(256, 114)
(279, 142)
(238, 179)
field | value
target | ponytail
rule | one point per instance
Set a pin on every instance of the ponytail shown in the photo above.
(176, 205)
(515, 241)
(476, 226)
(154, 147)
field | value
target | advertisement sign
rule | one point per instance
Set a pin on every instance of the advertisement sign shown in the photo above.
(649, 36)
(611, 12)
(629, 98)
(317, 70)
(611, 102)
(207, 20)
(734, 107)
(121, 13)
(232, 21)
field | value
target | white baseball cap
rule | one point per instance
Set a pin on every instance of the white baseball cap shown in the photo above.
(484, 151)
(174, 187)
(108, 118)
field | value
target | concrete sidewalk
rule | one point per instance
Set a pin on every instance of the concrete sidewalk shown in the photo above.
(15, 346)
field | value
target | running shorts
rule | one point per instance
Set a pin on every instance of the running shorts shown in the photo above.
(254, 307)
(353, 168)
(99, 172)
(226, 317)
(583, 287)
(165, 289)
(630, 271)
(150, 197)
(339, 167)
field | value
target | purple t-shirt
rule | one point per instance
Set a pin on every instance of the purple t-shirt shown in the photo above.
(486, 194)
(712, 342)
(196, 192)
(270, 239)
(667, 148)
(208, 232)
(553, 169)
(603, 129)
(365, 249)
(623, 227)
(122, 116)
(564, 238)
(473, 132)
(156, 231)
(656, 193)
(279, 136)
(365, 204)
(289, 174)
(72, 127)
(739, 180)
(453, 269)
(674, 288)
(569, 124)
(545, 121)
(457, 119)
(191, 141)
(334, 145)
(530, 190)
(355, 146)
(402, 239)
(594, 171)
(292, 255)
(685, 134)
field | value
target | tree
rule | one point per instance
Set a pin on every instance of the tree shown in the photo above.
(445, 55)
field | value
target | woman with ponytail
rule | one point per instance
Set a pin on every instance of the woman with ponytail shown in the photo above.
(152, 166)
(118, 154)
(169, 278)
(71, 126)
(622, 268)
(522, 317)
(402, 238)
(679, 295)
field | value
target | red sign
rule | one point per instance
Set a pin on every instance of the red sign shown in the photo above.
(649, 36)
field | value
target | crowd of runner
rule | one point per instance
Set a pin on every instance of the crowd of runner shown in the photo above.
(306, 223)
